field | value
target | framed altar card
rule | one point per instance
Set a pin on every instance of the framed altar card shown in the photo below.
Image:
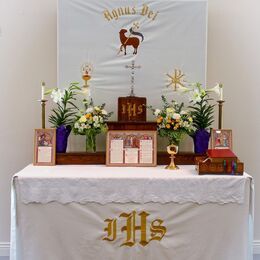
(131, 148)
(44, 147)
(221, 139)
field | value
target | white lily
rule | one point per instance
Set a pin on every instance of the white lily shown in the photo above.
(216, 89)
(57, 95)
(195, 96)
(183, 89)
(49, 91)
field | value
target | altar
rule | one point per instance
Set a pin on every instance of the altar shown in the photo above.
(97, 212)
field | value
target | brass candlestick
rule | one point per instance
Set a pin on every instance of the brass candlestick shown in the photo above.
(172, 150)
(43, 105)
(220, 113)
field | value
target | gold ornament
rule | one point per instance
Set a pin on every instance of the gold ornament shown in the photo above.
(176, 79)
(86, 72)
(172, 150)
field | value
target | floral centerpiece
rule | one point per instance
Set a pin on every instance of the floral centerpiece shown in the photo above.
(91, 122)
(63, 115)
(172, 121)
(202, 112)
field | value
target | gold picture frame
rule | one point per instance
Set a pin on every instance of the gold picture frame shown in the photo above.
(221, 139)
(131, 148)
(44, 147)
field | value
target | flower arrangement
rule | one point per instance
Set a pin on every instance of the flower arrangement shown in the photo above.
(201, 109)
(172, 121)
(91, 122)
(202, 112)
(64, 113)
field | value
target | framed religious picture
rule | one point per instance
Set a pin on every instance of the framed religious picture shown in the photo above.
(221, 139)
(131, 148)
(44, 147)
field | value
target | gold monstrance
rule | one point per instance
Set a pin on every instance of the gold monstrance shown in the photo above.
(172, 150)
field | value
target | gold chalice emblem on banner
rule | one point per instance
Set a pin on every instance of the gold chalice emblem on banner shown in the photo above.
(86, 72)
(172, 150)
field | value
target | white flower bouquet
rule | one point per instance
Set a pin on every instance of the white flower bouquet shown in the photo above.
(91, 122)
(172, 121)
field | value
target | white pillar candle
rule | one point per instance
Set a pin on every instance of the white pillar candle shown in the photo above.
(221, 92)
(43, 91)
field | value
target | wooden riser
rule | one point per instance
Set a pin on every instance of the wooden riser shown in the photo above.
(100, 158)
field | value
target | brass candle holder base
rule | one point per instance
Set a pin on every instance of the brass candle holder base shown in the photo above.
(43, 104)
(172, 150)
(220, 113)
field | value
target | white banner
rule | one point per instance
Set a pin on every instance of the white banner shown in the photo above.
(159, 36)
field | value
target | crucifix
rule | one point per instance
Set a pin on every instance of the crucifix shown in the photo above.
(132, 108)
(132, 67)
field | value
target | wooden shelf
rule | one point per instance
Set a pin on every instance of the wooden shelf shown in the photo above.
(135, 125)
(100, 158)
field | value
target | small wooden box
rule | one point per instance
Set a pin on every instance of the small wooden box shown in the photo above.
(131, 109)
(204, 166)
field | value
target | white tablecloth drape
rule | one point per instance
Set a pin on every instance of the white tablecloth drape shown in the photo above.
(65, 229)
(101, 184)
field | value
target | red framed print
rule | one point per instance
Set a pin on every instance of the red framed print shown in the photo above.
(131, 148)
(221, 139)
(44, 147)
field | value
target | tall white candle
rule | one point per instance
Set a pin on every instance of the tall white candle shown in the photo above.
(221, 92)
(43, 91)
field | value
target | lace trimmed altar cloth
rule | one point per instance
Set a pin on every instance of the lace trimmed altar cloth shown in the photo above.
(101, 184)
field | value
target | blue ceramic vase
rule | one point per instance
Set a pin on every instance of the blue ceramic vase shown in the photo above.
(201, 141)
(62, 135)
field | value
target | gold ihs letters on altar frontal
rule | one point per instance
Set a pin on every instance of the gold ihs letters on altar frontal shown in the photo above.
(129, 230)
(131, 109)
(127, 10)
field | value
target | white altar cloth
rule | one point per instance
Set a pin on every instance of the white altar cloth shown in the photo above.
(103, 185)
(59, 213)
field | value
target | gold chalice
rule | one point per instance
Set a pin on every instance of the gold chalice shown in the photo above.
(172, 150)
(86, 71)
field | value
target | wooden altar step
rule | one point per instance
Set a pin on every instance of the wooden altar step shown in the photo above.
(100, 158)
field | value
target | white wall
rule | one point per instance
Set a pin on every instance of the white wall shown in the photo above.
(234, 58)
(28, 55)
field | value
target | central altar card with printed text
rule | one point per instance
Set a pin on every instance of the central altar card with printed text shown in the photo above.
(131, 148)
